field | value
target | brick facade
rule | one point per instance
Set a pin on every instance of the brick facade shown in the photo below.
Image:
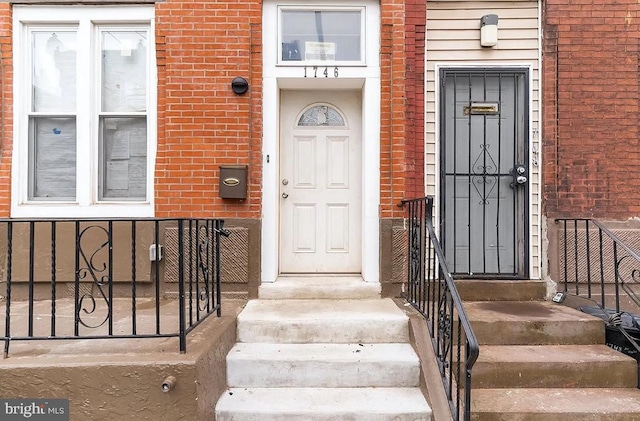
(415, 24)
(202, 124)
(6, 110)
(591, 103)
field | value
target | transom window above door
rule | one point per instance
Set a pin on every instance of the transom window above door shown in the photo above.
(321, 36)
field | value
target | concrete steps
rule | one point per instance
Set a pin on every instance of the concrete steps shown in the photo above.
(540, 361)
(344, 358)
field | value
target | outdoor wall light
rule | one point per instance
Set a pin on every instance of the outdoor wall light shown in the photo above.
(239, 85)
(489, 30)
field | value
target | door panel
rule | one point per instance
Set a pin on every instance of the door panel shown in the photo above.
(321, 179)
(484, 209)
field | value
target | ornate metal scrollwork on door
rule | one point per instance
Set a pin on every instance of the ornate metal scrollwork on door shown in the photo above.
(485, 176)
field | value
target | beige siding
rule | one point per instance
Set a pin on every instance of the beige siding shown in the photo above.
(453, 39)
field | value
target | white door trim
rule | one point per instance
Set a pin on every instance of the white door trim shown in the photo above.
(370, 179)
(365, 78)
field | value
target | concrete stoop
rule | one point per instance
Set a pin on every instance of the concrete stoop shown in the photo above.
(322, 359)
(540, 361)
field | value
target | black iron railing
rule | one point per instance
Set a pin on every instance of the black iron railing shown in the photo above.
(431, 291)
(101, 279)
(598, 265)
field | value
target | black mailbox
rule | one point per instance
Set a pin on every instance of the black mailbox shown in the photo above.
(233, 182)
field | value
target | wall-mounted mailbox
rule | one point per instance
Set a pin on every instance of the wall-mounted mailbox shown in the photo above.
(233, 182)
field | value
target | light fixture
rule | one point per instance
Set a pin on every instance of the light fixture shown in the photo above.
(489, 30)
(239, 85)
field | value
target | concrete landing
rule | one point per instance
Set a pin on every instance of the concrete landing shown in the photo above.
(319, 287)
(323, 404)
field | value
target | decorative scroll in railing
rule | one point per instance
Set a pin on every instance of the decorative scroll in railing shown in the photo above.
(431, 291)
(597, 264)
(102, 279)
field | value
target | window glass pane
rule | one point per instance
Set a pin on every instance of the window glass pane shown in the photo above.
(123, 158)
(52, 158)
(321, 35)
(54, 71)
(124, 71)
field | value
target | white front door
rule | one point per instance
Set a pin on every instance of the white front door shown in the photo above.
(320, 182)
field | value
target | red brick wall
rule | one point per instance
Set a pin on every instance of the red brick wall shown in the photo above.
(393, 108)
(415, 25)
(591, 150)
(202, 124)
(6, 110)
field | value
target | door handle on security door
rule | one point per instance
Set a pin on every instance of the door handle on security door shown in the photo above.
(285, 195)
(520, 176)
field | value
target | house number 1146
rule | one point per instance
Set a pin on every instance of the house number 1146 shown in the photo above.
(314, 70)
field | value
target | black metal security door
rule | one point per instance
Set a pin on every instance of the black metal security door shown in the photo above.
(484, 172)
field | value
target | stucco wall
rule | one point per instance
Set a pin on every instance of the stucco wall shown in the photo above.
(121, 379)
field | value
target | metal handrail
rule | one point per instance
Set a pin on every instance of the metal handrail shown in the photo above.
(99, 263)
(596, 260)
(430, 289)
(598, 263)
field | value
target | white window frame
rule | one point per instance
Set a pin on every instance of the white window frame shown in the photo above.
(324, 8)
(87, 20)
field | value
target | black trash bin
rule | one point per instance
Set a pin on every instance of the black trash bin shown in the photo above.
(614, 338)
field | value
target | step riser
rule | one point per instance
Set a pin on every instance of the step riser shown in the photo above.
(481, 290)
(327, 416)
(528, 416)
(318, 294)
(246, 373)
(320, 287)
(554, 375)
(539, 332)
(323, 331)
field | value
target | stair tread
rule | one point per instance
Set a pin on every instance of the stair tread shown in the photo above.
(553, 366)
(556, 401)
(322, 321)
(349, 353)
(551, 354)
(532, 322)
(525, 311)
(363, 402)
